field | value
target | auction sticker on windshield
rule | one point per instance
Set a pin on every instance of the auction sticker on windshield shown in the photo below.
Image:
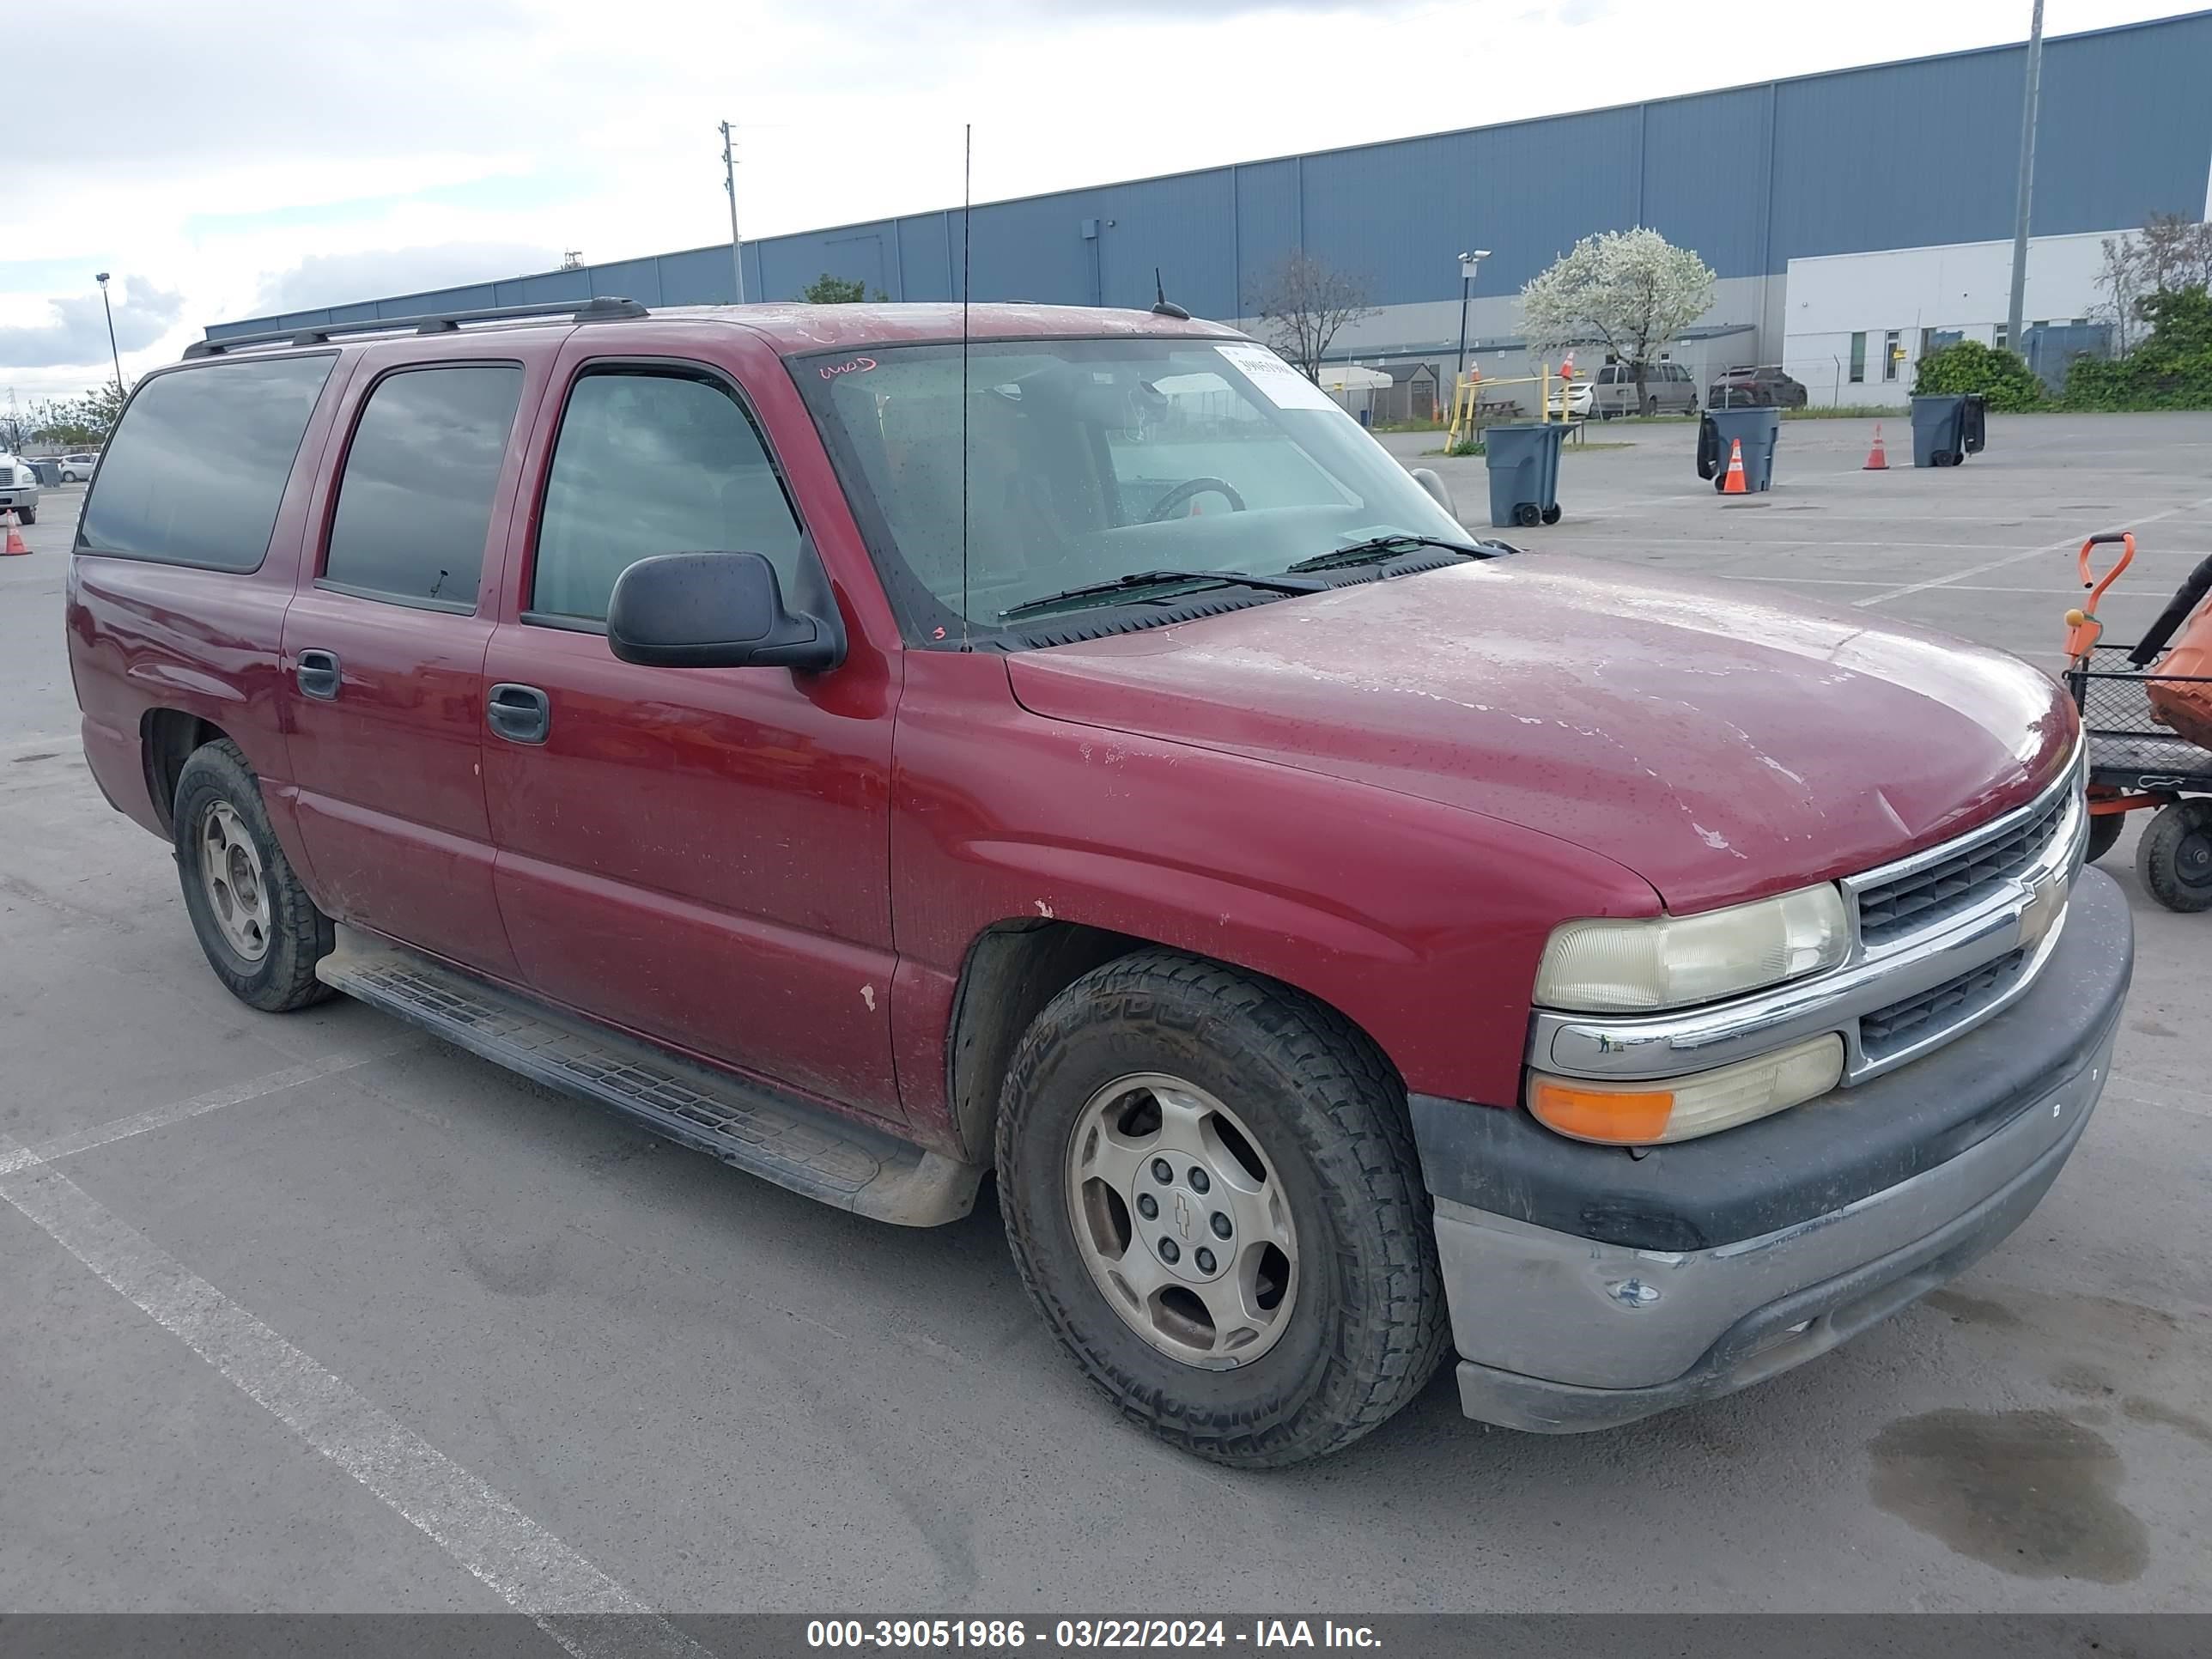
(1281, 384)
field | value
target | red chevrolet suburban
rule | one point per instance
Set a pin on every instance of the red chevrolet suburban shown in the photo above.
(878, 746)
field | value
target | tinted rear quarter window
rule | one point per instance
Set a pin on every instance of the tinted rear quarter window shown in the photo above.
(195, 470)
(415, 498)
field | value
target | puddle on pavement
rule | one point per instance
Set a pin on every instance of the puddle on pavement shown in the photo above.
(2030, 1493)
(2140, 1410)
(1974, 1309)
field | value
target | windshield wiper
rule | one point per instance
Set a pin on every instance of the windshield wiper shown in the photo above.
(1157, 579)
(1376, 549)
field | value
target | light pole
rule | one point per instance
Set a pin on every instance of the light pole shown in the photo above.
(102, 278)
(1469, 264)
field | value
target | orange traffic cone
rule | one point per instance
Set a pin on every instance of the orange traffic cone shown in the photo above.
(1733, 483)
(1877, 458)
(16, 545)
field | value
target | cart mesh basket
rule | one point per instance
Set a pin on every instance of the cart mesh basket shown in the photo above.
(2113, 697)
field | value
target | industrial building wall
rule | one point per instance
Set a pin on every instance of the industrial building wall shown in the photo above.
(1895, 155)
(1963, 288)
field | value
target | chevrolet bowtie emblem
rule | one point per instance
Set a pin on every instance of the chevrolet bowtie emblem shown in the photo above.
(2046, 900)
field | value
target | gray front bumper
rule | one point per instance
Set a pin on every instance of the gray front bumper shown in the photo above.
(1559, 1332)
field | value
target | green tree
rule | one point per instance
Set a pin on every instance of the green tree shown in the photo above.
(828, 290)
(2002, 377)
(78, 423)
(2170, 369)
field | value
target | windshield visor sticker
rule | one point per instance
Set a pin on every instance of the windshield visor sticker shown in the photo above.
(1275, 380)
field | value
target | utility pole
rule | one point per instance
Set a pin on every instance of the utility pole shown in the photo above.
(2029, 99)
(730, 183)
(102, 278)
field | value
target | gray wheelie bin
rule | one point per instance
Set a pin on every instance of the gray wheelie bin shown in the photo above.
(1948, 428)
(1524, 472)
(1758, 428)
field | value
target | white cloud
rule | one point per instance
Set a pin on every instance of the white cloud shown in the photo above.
(75, 331)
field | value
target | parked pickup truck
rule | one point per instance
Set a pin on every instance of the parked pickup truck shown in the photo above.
(1080, 753)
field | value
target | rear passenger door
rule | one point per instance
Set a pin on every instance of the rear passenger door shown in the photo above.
(383, 646)
(699, 855)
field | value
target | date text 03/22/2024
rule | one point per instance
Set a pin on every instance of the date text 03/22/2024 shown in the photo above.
(1010, 1635)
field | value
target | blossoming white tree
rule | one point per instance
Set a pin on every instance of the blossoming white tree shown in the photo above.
(1631, 291)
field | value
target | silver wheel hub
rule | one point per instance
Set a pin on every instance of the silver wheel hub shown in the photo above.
(1182, 1221)
(237, 889)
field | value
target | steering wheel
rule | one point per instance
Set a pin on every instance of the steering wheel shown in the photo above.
(1191, 487)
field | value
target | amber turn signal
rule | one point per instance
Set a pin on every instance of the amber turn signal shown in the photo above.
(1684, 1108)
(1614, 1115)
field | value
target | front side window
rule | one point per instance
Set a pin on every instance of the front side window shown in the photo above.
(415, 502)
(1090, 460)
(196, 471)
(651, 461)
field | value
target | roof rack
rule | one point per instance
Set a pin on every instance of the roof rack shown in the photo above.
(603, 308)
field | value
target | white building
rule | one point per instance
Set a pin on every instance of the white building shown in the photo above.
(1857, 324)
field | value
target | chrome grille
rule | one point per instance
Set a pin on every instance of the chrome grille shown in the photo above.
(1886, 1030)
(1922, 897)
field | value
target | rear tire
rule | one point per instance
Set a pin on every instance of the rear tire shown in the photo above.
(1119, 1079)
(261, 932)
(2105, 833)
(2174, 857)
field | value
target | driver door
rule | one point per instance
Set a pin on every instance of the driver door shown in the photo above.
(701, 856)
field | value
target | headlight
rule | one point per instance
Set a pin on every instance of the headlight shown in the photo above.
(1683, 1108)
(1670, 962)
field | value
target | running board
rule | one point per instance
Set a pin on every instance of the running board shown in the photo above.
(746, 1125)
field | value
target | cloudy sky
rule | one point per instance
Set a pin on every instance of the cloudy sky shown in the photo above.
(231, 157)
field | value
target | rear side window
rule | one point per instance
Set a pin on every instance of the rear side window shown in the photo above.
(653, 462)
(415, 502)
(194, 473)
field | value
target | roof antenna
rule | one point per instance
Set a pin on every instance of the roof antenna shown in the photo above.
(967, 199)
(1162, 306)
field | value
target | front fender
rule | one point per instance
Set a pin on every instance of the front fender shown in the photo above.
(1420, 922)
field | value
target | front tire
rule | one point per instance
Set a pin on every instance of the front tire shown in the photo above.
(1212, 1194)
(260, 932)
(28, 515)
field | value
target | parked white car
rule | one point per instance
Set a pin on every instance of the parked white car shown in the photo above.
(1571, 401)
(19, 489)
(77, 468)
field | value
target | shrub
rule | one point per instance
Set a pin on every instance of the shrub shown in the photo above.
(2170, 369)
(2002, 377)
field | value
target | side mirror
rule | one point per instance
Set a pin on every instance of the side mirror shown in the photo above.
(719, 610)
(1438, 491)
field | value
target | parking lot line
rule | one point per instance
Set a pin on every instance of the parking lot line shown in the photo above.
(121, 1128)
(2026, 553)
(522, 1563)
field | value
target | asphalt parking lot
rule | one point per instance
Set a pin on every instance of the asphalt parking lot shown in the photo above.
(283, 1284)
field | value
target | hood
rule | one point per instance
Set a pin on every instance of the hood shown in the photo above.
(1721, 742)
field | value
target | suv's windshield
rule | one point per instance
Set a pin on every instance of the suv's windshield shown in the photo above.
(1090, 461)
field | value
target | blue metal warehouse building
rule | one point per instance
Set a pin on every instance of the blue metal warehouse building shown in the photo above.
(1913, 155)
